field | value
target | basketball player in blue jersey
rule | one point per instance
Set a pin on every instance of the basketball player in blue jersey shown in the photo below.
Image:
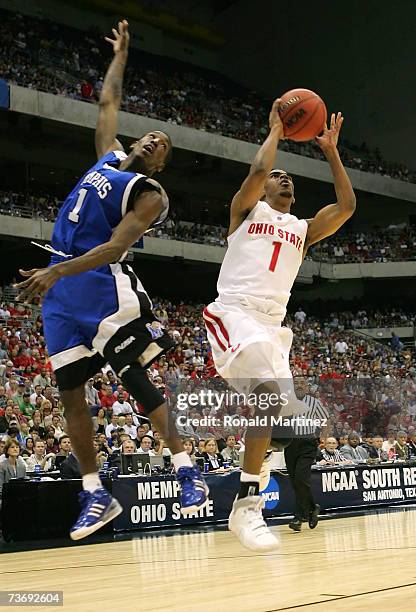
(95, 309)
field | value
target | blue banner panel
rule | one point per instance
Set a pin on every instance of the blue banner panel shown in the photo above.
(4, 94)
(154, 501)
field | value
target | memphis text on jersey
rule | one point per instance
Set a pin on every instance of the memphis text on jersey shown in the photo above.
(255, 421)
(99, 181)
(271, 230)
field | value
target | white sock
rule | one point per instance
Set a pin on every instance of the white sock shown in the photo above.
(181, 460)
(245, 477)
(91, 482)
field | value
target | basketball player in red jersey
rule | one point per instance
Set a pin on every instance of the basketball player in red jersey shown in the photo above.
(266, 246)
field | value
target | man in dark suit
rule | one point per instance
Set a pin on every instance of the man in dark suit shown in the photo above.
(375, 450)
(70, 468)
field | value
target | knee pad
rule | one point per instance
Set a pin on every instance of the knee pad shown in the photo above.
(139, 386)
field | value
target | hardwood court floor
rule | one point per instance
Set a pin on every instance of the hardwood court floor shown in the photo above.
(353, 563)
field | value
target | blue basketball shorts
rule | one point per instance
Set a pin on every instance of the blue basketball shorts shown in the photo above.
(98, 317)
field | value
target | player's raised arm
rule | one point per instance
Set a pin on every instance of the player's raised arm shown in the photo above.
(111, 92)
(329, 219)
(253, 186)
(147, 208)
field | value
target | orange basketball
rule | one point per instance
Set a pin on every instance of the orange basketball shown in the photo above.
(303, 114)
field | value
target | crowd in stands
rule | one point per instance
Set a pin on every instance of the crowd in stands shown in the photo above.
(27, 205)
(388, 317)
(370, 448)
(368, 388)
(394, 243)
(41, 55)
(200, 233)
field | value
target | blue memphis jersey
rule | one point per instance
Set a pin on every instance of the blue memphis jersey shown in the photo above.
(97, 204)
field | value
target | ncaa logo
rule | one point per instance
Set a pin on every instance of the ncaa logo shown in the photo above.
(271, 494)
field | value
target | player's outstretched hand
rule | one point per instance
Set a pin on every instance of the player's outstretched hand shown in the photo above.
(329, 138)
(38, 282)
(121, 38)
(274, 118)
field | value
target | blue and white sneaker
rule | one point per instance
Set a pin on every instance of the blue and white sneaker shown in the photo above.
(98, 508)
(194, 490)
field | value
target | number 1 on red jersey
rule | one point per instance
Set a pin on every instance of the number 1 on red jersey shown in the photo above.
(275, 255)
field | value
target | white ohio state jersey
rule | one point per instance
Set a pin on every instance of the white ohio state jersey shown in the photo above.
(263, 259)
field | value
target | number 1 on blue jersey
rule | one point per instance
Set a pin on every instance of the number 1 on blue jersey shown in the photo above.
(74, 214)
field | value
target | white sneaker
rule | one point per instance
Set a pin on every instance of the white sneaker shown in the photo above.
(265, 471)
(247, 522)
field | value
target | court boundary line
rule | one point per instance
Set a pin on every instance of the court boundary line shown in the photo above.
(338, 598)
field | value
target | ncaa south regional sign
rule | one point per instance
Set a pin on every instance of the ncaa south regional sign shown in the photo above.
(381, 484)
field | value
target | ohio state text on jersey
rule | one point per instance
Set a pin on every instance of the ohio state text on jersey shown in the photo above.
(263, 259)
